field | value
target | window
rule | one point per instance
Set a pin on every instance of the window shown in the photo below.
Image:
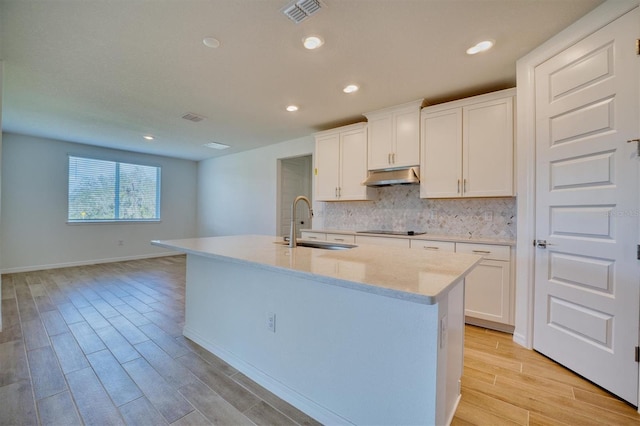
(106, 191)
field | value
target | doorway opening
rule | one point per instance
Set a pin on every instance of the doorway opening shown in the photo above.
(294, 178)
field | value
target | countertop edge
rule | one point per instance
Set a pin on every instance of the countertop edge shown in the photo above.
(353, 285)
(432, 237)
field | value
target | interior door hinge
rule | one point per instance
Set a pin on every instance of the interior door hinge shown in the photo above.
(638, 46)
(638, 253)
(637, 353)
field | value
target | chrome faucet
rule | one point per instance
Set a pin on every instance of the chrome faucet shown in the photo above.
(292, 232)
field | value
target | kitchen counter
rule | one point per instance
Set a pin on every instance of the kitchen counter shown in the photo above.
(369, 335)
(434, 237)
(393, 272)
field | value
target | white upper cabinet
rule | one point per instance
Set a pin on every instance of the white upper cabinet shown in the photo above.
(467, 147)
(394, 136)
(341, 164)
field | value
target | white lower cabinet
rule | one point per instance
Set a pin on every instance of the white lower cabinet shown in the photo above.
(445, 246)
(308, 235)
(341, 238)
(488, 287)
(383, 241)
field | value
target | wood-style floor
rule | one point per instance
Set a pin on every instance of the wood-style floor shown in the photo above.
(102, 345)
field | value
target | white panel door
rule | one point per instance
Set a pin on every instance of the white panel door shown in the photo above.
(441, 165)
(587, 288)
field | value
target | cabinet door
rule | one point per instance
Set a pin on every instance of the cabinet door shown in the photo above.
(488, 149)
(445, 246)
(306, 235)
(441, 165)
(488, 292)
(379, 143)
(341, 238)
(327, 160)
(353, 165)
(406, 148)
(383, 241)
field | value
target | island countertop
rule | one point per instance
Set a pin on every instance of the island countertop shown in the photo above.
(415, 275)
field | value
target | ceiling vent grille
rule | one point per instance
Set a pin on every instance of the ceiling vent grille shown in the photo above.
(193, 117)
(299, 10)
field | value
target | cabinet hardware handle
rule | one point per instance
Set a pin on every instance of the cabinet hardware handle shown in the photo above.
(431, 248)
(458, 186)
(339, 191)
(312, 238)
(393, 158)
(336, 192)
(464, 185)
(339, 239)
(481, 251)
(389, 158)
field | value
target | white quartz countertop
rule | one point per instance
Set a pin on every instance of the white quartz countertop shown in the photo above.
(416, 275)
(433, 237)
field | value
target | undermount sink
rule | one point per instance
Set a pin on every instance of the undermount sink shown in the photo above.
(321, 245)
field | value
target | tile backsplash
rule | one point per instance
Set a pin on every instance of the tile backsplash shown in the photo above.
(400, 208)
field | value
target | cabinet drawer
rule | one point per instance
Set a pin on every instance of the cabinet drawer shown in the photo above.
(488, 251)
(306, 235)
(383, 241)
(341, 238)
(446, 246)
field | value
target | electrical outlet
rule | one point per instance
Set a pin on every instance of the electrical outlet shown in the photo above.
(488, 216)
(120, 242)
(271, 322)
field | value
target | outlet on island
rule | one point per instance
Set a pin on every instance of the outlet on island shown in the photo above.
(271, 321)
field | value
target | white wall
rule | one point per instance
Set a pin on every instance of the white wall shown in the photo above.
(34, 231)
(1, 67)
(237, 194)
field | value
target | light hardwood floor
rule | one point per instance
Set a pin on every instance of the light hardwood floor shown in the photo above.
(102, 345)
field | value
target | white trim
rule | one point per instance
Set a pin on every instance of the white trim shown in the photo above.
(593, 21)
(318, 412)
(453, 412)
(86, 262)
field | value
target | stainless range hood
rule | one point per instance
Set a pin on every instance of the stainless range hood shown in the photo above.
(406, 176)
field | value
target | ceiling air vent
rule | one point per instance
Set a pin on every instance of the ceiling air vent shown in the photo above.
(193, 117)
(299, 10)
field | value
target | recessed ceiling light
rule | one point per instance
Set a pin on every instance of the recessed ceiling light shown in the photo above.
(216, 145)
(480, 47)
(350, 88)
(148, 137)
(211, 42)
(292, 108)
(312, 42)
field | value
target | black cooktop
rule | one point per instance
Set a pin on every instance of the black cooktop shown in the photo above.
(391, 232)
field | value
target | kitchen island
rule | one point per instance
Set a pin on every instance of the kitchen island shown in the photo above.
(367, 335)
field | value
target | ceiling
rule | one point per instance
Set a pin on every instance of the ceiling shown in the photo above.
(108, 72)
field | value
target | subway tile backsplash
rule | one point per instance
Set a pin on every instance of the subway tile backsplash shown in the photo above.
(400, 208)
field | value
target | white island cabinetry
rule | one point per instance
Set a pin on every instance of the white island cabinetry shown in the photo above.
(467, 147)
(341, 164)
(355, 337)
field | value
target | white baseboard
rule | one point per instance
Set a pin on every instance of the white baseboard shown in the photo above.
(520, 339)
(455, 408)
(304, 404)
(86, 262)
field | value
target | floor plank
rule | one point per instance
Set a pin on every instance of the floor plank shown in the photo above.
(13, 362)
(18, 407)
(114, 378)
(92, 400)
(141, 412)
(46, 375)
(58, 409)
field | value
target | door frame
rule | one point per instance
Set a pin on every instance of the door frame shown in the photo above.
(525, 154)
(279, 229)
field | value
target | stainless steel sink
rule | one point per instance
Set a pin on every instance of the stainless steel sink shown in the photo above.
(321, 245)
